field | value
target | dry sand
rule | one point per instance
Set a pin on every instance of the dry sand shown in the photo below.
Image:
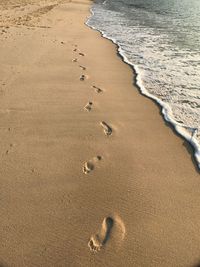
(90, 173)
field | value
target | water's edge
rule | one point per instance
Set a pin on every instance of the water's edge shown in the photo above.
(165, 109)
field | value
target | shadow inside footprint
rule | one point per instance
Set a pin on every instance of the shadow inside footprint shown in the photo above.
(82, 77)
(88, 106)
(108, 226)
(107, 129)
(82, 67)
(88, 167)
(97, 89)
(96, 242)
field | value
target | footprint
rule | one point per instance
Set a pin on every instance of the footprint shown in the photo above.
(81, 54)
(8, 150)
(82, 77)
(97, 89)
(88, 106)
(82, 67)
(97, 241)
(89, 166)
(112, 229)
(107, 129)
(74, 60)
(75, 50)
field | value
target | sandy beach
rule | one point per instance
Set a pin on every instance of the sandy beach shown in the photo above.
(90, 173)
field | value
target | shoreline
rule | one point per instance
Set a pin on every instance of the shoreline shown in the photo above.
(165, 110)
(90, 174)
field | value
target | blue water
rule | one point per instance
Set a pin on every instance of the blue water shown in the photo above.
(161, 40)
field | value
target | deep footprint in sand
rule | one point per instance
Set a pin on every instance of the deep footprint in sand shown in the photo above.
(97, 89)
(112, 230)
(83, 77)
(97, 241)
(81, 54)
(88, 106)
(74, 60)
(107, 129)
(90, 165)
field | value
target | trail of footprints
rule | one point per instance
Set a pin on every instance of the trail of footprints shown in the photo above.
(100, 239)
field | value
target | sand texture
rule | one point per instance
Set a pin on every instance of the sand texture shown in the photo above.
(90, 175)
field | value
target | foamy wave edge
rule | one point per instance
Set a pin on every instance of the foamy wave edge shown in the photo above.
(165, 108)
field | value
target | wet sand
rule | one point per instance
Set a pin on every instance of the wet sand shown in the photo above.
(90, 173)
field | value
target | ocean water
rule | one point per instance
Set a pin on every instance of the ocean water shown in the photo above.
(161, 40)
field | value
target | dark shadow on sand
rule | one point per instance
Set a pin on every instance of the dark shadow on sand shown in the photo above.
(196, 265)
